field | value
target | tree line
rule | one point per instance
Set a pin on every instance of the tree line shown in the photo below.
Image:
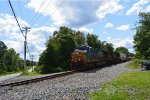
(10, 60)
(142, 37)
(59, 46)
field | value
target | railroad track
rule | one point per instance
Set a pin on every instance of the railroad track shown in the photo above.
(61, 74)
(38, 79)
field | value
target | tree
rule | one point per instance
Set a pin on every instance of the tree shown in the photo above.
(142, 36)
(9, 59)
(109, 48)
(3, 49)
(65, 40)
(79, 38)
(58, 50)
(49, 58)
(92, 41)
(66, 47)
(131, 54)
(122, 50)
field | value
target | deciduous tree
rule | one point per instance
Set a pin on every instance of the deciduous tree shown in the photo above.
(142, 36)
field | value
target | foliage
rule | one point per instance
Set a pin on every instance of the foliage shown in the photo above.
(24, 73)
(122, 50)
(109, 48)
(49, 58)
(79, 38)
(3, 50)
(92, 41)
(135, 63)
(131, 54)
(129, 86)
(30, 63)
(58, 51)
(142, 37)
(9, 59)
(66, 47)
(57, 55)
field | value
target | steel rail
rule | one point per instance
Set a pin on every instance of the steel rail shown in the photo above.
(18, 83)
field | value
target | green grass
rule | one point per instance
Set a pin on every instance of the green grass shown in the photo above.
(28, 67)
(34, 73)
(135, 63)
(7, 73)
(128, 86)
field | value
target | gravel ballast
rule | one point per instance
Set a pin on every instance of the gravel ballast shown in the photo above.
(71, 87)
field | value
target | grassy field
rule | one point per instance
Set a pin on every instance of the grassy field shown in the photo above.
(7, 73)
(135, 63)
(128, 86)
(30, 74)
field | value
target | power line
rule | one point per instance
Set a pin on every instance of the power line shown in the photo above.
(55, 10)
(26, 29)
(40, 14)
(37, 11)
(58, 7)
(15, 17)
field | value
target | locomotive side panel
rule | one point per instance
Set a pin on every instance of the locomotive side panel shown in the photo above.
(84, 57)
(123, 57)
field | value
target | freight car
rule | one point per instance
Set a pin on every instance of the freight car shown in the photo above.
(85, 57)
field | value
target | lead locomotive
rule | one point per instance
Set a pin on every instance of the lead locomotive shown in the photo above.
(85, 57)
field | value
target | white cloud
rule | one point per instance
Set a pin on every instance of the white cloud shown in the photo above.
(147, 9)
(108, 7)
(85, 29)
(108, 38)
(137, 7)
(108, 25)
(123, 27)
(15, 45)
(12, 37)
(125, 42)
(73, 13)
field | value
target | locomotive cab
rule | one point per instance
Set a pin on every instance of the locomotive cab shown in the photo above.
(78, 56)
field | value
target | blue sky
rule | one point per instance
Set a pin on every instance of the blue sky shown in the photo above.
(112, 20)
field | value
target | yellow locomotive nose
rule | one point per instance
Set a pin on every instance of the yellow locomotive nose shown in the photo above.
(77, 59)
(77, 56)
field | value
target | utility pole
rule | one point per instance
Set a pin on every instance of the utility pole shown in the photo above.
(26, 29)
(32, 62)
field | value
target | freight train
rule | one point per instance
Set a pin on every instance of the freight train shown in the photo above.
(85, 57)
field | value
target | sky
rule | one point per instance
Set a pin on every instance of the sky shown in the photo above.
(113, 21)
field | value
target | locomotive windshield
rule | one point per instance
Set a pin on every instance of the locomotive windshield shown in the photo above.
(83, 48)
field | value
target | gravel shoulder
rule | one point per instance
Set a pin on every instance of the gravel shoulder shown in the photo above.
(13, 77)
(75, 86)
